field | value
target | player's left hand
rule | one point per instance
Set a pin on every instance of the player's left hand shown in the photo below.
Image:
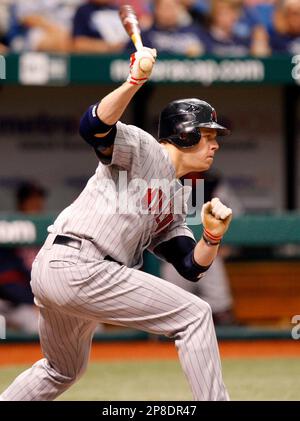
(216, 217)
(137, 76)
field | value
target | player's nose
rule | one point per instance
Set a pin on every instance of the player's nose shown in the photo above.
(215, 145)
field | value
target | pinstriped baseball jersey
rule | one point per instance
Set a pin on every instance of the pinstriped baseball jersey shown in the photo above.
(97, 213)
(75, 289)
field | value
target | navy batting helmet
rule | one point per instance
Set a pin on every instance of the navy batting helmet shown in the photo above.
(180, 120)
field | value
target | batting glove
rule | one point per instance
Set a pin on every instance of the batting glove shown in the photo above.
(137, 76)
(216, 218)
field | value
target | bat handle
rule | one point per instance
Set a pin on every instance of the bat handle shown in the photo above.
(145, 64)
(137, 41)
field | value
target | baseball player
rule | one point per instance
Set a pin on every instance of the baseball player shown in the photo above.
(88, 269)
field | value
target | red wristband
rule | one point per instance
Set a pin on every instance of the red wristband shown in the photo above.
(135, 81)
(212, 237)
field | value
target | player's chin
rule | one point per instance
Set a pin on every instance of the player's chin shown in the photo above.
(207, 164)
(201, 165)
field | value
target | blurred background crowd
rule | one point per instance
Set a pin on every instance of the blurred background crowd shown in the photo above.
(43, 131)
(185, 27)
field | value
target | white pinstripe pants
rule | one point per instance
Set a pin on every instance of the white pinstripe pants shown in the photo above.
(75, 292)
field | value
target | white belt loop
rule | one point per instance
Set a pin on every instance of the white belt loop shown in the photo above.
(49, 241)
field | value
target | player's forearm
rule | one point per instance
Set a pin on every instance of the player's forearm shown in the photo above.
(204, 254)
(113, 105)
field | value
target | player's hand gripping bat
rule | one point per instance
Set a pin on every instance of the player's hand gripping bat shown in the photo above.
(131, 24)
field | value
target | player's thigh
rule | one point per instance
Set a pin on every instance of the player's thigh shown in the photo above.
(65, 341)
(137, 299)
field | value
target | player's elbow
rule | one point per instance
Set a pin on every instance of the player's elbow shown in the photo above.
(179, 251)
(189, 269)
(189, 275)
(83, 128)
(94, 131)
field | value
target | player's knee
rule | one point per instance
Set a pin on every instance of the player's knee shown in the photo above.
(64, 376)
(78, 373)
(208, 311)
(81, 370)
(201, 310)
(196, 318)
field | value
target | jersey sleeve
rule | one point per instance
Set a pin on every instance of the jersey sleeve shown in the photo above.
(127, 150)
(177, 228)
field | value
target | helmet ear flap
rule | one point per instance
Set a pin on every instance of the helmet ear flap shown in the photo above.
(190, 138)
(186, 139)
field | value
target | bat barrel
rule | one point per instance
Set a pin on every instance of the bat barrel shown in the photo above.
(129, 19)
(131, 24)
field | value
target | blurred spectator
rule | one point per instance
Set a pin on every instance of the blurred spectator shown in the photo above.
(224, 16)
(214, 287)
(263, 10)
(4, 24)
(201, 6)
(16, 298)
(30, 198)
(3, 48)
(285, 34)
(260, 44)
(97, 28)
(43, 25)
(173, 31)
(253, 23)
(225, 39)
(198, 9)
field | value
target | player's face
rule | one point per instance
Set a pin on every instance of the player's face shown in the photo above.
(200, 157)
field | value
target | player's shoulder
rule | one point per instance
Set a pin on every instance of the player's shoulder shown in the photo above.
(150, 152)
(136, 134)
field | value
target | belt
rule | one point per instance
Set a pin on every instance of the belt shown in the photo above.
(67, 241)
(76, 244)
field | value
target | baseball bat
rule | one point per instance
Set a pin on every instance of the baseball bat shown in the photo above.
(131, 24)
